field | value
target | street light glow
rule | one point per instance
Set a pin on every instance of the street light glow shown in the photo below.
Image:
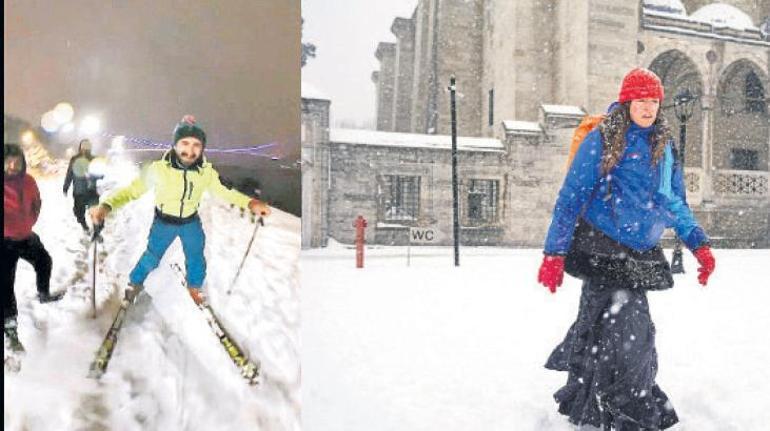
(27, 137)
(67, 128)
(90, 125)
(48, 122)
(63, 112)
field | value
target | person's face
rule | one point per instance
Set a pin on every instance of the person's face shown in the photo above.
(12, 165)
(188, 150)
(644, 111)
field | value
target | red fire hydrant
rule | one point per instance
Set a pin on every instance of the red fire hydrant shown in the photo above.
(360, 224)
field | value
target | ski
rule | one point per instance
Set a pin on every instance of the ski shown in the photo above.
(249, 369)
(102, 357)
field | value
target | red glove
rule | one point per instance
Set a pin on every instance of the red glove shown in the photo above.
(707, 263)
(551, 272)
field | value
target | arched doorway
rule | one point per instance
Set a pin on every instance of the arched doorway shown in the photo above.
(742, 123)
(678, 71)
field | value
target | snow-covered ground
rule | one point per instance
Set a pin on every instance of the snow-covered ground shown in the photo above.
(169, 371)
(434, 347)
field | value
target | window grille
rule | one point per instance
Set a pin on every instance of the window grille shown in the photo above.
(755, 94)
(482, 202)
(402, 197)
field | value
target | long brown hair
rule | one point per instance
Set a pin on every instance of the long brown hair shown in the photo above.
(613, 130)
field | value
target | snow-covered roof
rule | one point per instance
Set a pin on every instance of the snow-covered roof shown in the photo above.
(563, 110)
(674, 7)
(412, 140)
(522, 126)
(309, 91)
(724, 15)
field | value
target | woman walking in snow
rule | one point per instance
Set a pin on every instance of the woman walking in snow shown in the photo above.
(179, 180)
(623, 188)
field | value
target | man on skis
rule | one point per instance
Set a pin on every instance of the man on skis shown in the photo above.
(21, 207)
(179, 180)
(84, 191)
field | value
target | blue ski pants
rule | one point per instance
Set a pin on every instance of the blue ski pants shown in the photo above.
(162, 234)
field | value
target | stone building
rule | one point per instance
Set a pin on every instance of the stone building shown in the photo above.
(527, 71)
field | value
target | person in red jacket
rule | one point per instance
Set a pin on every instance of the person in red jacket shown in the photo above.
(21, 207)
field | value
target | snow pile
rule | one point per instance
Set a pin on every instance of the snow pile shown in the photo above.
(434, 347)
(724, 15)
(168, 370)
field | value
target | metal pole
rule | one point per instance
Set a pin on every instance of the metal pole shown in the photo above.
(455, 200)
(676, 259)
(93, 284)
(95, 239)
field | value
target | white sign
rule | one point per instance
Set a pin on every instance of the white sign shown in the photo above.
(423, 235)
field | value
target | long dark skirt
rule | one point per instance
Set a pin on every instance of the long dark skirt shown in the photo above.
(609, 353)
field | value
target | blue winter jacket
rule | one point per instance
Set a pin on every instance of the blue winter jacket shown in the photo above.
(642, 201)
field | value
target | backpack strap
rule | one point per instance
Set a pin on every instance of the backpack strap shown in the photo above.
(588, 123)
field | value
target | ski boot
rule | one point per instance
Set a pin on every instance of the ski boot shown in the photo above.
(132, 291)
(46, 297)
(9, 330)
(196, 294)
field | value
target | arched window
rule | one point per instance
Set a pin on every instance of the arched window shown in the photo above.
(755, 94)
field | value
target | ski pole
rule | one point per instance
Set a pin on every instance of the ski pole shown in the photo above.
(259, 222)
(95, 239)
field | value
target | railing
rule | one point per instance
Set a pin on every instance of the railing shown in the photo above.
(727, 184)
(741, 184)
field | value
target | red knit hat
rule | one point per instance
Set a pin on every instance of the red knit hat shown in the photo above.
(640, 83)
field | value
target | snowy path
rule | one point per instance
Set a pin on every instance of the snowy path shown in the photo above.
(168, 370)
(433, 347)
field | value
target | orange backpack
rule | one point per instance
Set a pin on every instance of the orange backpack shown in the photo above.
(588, 123)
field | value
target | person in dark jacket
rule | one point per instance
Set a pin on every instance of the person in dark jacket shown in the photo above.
(21, 207)
(623, 188)
(84, 191)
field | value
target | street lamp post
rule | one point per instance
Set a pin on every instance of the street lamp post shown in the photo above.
(683, 105)
(455, 207)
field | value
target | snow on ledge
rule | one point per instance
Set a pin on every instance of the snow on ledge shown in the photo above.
(671, 7)
(412, 140)
(563, 110)
(522, 126)
(308, 91)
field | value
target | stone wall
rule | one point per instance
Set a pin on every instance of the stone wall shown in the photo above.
(459, 53)
(357, 189)
(422, 79)
(386, 54)
(403, 80)
(315, 138)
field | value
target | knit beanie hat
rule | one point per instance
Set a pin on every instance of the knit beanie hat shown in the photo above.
(640, 83)
(189, 128)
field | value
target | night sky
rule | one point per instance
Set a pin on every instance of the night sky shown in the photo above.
(140, 65)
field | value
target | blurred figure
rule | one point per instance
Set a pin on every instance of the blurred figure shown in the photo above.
(84, 191)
